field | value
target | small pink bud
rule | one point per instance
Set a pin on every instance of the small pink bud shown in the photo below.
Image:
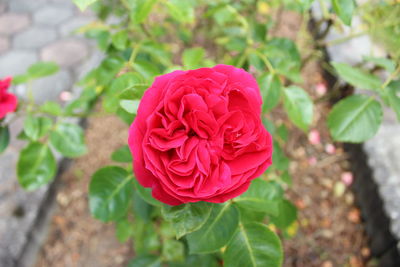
(347, 178)
(314, 137)
(330, 149)
(320, 88)
(65, 96)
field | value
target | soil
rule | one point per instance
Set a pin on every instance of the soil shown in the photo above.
(75, 238)
(328, 232)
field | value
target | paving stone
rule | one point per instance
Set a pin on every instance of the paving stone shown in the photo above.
(34, 37)
(16, 62)
(11, 23)
(52, 15)
(65, 52)
(25, 5)
(4, 44)
(68, 27)
(49, 88)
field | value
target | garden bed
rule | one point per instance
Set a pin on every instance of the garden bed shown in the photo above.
(329, 229)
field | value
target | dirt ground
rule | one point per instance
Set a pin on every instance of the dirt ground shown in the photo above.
(75, 238)
(329, 227)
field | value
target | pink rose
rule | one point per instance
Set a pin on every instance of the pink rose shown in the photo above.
(198, 135)
(8, 102)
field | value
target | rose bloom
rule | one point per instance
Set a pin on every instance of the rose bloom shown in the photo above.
(8, 102)
(198, 135)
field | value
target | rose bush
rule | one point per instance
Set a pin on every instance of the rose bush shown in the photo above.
(8, 101)
(198, 135)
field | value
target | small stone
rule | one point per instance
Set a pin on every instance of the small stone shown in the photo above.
(10, 62)
(65, 52)
(339, 189)
(52, 15)
(11, 23)
(35, 37)
(312, 161)
(354, 215)
(25, 5)
(327, 264)
(4, 44)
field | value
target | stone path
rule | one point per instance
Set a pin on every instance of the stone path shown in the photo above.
(32, 31)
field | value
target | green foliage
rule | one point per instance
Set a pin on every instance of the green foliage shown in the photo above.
(299, 106)
(261, 196)
(271, 88)
(357, 77)
(254, 245)
(4, 138)
(110, 192)
(36, 166)
(217, 231)
(344, 9)
(68, 139)
(122, 154)
(83, 4)
(36, 71)
(355, 119)
(187, 218)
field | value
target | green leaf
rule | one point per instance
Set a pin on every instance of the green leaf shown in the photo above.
(37, 127)
(261, 196)
(110, 192)
(357, 77)
(344, 9)
(120, 40)
(42, 69)
(205, 260)
(124, 230)
(173, 250)
(146, 238)
(141, 10)
(279, 159)
(270, 87)
(4, 138)
(36, 166)
(83, 4)
(217, 230)
(287, 214)
(68, 139)
(193, 57)
(187, 218)
(145, 193)
(145, 261)
(182, 11)
(386, 63)
(255, 245)
(130, 106)
(122, 154)
(355, 119)
(285, 57)
(299, 107)
(141, 207)
(52, 108)
(18, 79)
(392, 92)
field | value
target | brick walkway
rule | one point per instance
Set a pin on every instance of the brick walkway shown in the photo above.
(32, 31)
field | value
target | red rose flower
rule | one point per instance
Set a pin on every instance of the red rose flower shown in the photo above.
(198, 135)
(8, 102)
